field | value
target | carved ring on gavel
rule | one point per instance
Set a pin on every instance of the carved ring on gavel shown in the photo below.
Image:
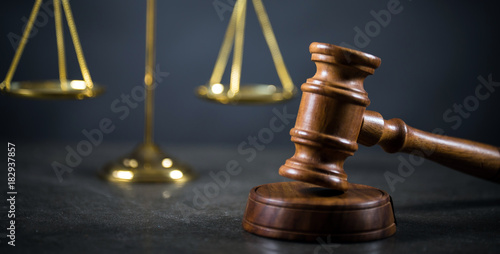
(332, 120)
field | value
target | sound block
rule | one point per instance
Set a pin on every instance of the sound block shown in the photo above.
(303, 212)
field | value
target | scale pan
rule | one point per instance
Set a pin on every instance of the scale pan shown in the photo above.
(248, 94)
(52, 89)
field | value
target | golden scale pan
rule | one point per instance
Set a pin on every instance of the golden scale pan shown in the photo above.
(52, 89)
(250, 93)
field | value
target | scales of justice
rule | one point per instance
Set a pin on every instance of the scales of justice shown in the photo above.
(332, 120)
(147, 162)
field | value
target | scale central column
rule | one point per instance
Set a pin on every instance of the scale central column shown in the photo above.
(147, 163)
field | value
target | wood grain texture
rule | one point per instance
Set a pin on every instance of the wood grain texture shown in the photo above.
(303, 212)
(330, 116)
(473, 158)
(331, 121)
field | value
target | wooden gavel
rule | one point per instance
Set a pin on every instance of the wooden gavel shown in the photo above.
(332, 120)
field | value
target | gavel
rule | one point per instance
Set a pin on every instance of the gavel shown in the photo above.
(331, 121)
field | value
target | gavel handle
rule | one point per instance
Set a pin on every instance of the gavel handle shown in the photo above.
(473, 158)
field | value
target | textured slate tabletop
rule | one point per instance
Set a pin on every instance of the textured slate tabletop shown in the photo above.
(438, 210)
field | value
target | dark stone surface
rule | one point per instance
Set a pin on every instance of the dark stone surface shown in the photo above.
(438, 210)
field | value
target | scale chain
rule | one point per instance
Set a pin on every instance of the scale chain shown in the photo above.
(22, 44)
(234, 36)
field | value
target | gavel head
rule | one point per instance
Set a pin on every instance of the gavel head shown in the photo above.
(330, 116)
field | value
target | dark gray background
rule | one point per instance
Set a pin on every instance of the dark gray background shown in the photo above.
(432, 53)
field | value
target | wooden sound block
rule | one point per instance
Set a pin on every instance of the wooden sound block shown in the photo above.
(303, 212)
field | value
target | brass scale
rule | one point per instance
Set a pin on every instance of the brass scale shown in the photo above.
(147, 162)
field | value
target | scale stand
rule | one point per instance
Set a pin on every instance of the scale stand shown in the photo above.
(147, 163)
(254, 93)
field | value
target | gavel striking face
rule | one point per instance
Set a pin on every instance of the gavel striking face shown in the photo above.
(332, 121)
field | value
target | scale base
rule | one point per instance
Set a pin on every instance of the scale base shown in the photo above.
(52, 89)
(304, 212)
(147, 163)
(248, 94)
